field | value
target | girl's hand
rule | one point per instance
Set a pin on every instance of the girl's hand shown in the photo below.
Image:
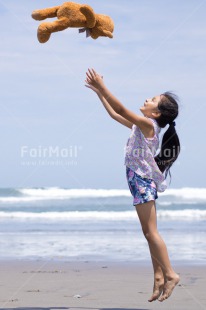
(94, 80)
(92, 88)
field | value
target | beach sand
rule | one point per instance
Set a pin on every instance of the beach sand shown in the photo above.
(61, 284)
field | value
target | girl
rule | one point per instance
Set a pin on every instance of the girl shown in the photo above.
(145, 171)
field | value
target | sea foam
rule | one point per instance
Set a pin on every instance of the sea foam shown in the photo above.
(182, 215)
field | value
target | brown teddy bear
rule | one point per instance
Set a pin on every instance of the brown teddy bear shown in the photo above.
(72, 14)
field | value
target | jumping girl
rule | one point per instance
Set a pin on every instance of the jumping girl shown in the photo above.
(146, 172)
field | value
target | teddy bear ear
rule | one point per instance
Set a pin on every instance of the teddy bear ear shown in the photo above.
(89, 14)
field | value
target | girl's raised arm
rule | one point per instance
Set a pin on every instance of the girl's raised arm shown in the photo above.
(109, 109)
(145, 124)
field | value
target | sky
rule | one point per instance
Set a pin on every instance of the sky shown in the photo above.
(54, 131)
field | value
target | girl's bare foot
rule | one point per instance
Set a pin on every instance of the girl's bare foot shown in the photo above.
(170, 283)
(157, 289)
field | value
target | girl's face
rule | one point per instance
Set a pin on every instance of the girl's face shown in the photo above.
(150, 107)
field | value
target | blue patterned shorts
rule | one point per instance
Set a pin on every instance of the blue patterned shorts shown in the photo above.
(142, 189)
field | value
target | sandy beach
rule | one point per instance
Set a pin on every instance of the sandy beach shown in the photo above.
(47, 285)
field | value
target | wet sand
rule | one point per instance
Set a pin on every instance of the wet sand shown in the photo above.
(55, 285)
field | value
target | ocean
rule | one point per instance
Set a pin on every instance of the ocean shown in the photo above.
(98, 224)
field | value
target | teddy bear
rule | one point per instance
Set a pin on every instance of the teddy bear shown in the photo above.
(71, 14)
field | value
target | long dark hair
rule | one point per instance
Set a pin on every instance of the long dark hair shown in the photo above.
(170, 148)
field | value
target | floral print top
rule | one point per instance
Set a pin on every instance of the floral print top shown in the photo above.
(139, 155)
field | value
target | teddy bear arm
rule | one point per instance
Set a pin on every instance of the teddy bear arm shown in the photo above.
(45, 13)
(108, 34)
(100, 31)
(89, 14)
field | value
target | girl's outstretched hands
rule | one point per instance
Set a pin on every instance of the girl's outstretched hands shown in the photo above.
(93, 88)
(94, 80)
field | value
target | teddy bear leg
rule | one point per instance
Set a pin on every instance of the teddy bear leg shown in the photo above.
(45, 29)
(45, 13)
(89, 14)
(43, 34)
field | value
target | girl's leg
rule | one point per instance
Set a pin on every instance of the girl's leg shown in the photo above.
(158, 280)
(158, 274)
(158, 250)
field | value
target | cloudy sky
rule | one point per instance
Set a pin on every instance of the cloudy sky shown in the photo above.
(55, 132)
